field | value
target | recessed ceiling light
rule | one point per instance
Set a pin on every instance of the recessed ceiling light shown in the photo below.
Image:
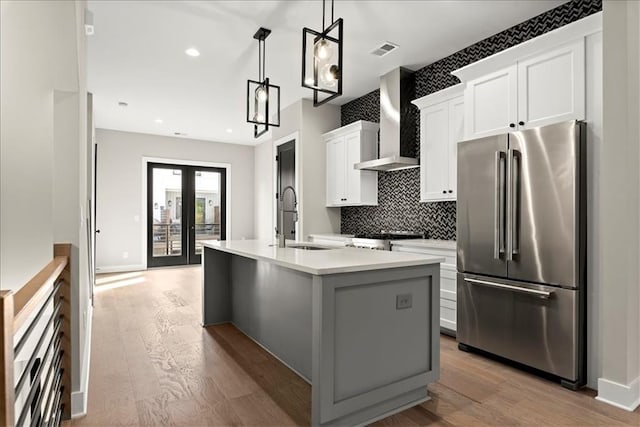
(229, 130)
(192, 52)
(123, 104)
(158, 120)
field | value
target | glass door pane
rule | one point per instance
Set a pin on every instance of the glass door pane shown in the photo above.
(166, 238)
(207, 205)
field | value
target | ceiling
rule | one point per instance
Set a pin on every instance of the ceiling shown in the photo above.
(137, 54)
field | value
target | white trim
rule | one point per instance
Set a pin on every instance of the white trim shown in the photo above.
(295, 137)
(551, 40)
(148, 159)
(351, 127)
(623, 396)
(447, 94)
(120, 268)
(79, 398)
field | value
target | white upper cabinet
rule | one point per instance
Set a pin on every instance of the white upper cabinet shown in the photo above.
(441, 128)
(536, 91)
(551, 86)
(346, 146)
(336, 160)
(491, 103)
(535, 83)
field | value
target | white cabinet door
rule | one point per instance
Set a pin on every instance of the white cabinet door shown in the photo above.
(335, 172)
(434, 144)
(353, 181)
(491, 103)
(456, 134)
(551, 86)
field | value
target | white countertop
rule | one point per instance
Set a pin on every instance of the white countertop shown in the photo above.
(425, 243)
(320, 262)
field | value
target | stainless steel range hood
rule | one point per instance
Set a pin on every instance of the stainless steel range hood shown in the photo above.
(397, 146)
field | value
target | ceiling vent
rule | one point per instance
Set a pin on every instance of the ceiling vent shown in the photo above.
(384, 49)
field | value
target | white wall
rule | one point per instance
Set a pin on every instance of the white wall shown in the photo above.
(620, 209)
(310, 123)
(264, 192)
(120, 196)
(315, 122)
(35, 48)
(42, 144)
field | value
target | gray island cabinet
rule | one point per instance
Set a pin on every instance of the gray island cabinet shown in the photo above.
(361, 326)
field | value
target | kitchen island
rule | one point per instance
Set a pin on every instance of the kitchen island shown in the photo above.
(361, 326)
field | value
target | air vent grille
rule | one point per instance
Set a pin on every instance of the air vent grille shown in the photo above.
(384, 49)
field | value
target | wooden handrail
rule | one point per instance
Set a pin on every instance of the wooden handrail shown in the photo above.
(7, 398)
(31, 295)
(18, 308)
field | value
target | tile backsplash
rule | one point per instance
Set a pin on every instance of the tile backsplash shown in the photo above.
(399, 206)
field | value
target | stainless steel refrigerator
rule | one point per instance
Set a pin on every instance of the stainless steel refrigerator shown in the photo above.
(521, 225)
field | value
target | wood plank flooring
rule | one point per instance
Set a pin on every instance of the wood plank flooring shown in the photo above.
(153, 364)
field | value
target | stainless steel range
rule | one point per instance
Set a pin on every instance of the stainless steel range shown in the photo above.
(382, 241)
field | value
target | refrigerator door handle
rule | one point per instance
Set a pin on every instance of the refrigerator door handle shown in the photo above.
(541, 294)
(498, 205)
(513, 203)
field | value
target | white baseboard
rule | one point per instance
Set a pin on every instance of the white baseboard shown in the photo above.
(79, 398)
(623, 396)
(120, 268)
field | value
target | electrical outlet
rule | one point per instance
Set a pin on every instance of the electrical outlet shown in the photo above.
(125, 255)
(403, 301)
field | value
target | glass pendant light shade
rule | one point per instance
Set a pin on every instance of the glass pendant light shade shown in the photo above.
(261, 94)
(322, 50)
(329, 75)
(263, 98)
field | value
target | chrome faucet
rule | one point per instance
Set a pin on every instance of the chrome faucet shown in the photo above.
(281, 236)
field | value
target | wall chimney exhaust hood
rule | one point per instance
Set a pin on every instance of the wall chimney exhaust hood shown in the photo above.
(397, 145)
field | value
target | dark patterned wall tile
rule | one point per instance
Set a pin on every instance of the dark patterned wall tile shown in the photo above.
(399, 192)
(399, 208)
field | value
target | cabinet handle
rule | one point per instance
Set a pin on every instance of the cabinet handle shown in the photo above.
(450, 191)
(512, 125)
(444, 191)
(521, 123)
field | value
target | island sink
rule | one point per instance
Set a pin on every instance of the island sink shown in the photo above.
(309, 247)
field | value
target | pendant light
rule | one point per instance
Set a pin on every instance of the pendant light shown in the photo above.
(263, 98)
(322, 59)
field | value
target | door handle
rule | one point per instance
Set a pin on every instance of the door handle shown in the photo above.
(498, 206)
(513, 203)
(541, 294)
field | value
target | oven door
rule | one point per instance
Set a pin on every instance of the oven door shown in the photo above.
(528, 323)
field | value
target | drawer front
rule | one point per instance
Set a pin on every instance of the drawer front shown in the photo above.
(448, 282)
(448, 314)
(515, 323)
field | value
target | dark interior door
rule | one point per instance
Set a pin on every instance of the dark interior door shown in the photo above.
(286, 159)
(185, 206)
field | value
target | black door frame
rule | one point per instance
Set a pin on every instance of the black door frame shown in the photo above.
(187, 224)
(287, 146)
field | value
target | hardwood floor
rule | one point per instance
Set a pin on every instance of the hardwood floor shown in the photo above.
(152, 364)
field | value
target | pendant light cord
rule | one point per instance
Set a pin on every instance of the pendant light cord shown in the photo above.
(332, 12)
(324, 13)
(261, 59)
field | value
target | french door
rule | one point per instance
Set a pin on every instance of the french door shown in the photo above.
(185, 206)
